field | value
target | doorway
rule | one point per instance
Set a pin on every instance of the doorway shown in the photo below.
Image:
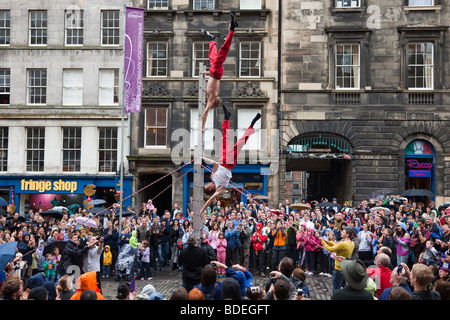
(163, 201)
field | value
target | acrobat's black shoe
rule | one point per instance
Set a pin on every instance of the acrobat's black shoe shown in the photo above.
(226, 112)
(234, 22)
(256, 118)
(210, 36)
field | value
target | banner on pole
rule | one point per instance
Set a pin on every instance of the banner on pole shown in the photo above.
(134, 52)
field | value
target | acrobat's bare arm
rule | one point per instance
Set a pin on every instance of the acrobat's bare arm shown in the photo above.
(216, 194)
(214, 163)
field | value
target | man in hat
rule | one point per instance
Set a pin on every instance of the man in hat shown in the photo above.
(356, 277)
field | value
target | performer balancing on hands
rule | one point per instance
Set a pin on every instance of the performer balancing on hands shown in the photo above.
(216, 68)
(221, 173)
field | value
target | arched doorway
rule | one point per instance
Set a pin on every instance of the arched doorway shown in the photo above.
(162, 201)
(324, 161)
(420, 165)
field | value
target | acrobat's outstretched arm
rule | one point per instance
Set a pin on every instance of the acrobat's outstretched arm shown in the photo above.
(214, 163)
(216, 194)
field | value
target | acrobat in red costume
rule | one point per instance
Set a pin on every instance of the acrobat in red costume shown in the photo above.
(216, 60)
(221, 173)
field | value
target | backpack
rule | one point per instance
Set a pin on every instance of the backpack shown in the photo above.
(210, 295)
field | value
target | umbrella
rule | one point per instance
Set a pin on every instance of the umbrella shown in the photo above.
(3, 202)
(417, 193)
(125, 213)
(52, 213)
(7, 253)
(96, 201)
(59, 208)
(325, 204)
(300, 206)
(386, 210)
(48, 248)
(21, 219)
(97, 210)
(261, 197)
(3, 212)
(442, 206)
(86, 222)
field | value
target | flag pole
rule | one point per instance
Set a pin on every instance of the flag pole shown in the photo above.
(123, 120)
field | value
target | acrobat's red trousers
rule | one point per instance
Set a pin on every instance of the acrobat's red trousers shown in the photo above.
(217, 59)
(228, 156)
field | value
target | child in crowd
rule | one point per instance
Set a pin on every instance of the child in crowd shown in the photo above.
(221, 246)
(49, 268)
(144, 257)
(107, 261)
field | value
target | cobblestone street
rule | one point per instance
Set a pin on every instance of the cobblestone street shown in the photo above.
(166, 282)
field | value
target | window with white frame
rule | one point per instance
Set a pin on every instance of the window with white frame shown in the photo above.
(157, 59)
(420, 65)
(73, 87)
(35, 148)
(347, 68)
(38, 28)
(245, 117)
(110, 28)
(71, 149)
(200, 54)
(5, 85)
(5, 27)
(420, 3)
(74, 27)
(108, 94)
(250, 59)
(203, 4)
(4, 132)
(107, 150)
(250, 4)
(37, 86)
(209, 129)
(156, 127)
(158, 4)
(348, 3)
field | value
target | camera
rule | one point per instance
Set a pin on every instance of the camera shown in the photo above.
(214, 264)
(300, 292)
(399, 270)
(273, 279)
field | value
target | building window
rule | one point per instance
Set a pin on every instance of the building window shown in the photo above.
(107, 150)
(348, 3)
(5, 85)
(108, 87)
(420, 65)
(158, 4)
(209, 129)
(157, 59)
(37, 86)
(110, 28)
(200, 54)
(71, 149)
(418, 3)
(74, 28)
(245, 117)
(250, 59)
(35, 149)
(347, 66)
(156, 127)
(5, 25)
(250, 4)
(203, 4)
(4, 149)
(73, 87)
(38, 28)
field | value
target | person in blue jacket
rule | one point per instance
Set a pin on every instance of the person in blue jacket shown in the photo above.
(111, 238)
(233, 243)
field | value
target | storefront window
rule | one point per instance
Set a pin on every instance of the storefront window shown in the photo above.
(419, 165)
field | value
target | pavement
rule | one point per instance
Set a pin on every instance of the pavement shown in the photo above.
(167, 281)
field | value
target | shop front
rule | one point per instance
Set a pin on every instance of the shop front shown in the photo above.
(45, 192)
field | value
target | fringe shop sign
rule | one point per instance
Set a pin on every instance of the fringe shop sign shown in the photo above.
(42, 186)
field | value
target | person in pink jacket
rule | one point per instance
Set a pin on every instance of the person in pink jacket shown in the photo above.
(312, 246)
(301, 240)
(221, 245)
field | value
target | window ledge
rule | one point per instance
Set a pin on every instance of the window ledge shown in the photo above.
(360, 10)
(436, 8)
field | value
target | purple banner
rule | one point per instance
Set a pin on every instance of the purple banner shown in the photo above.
(134, 52)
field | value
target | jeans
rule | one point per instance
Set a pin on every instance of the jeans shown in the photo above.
(106, 270)
(338, 280)
(146, 271)
(277, 254)
(292, 252)
(163, 252)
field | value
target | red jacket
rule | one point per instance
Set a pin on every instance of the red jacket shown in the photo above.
(258, 239)
(383, 275)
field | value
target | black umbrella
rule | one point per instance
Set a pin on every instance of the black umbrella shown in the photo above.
(52, 213)
(21, 219)
(48, 248)
(125, 213)
(3, 212)
(325, 204)
(97, 210)
(417, 193)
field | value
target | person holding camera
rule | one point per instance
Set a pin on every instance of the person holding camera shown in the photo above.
(92, 257)
(245, 237)
(279, 245)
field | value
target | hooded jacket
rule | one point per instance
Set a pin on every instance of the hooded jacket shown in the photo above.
(107, 256)
(258, 238)
(71, 255)
(133, 240)
(24, 248)
(87, 281)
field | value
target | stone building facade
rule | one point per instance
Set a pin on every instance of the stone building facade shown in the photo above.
(365, 94)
